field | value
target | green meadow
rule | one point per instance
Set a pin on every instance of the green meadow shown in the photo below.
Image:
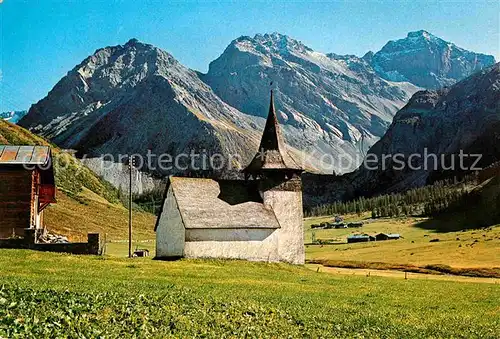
(474, 252)
(48, 295)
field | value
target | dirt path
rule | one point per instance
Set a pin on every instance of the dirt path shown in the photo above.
(399, 274)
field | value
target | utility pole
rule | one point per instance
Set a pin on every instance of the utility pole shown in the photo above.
(130, 165)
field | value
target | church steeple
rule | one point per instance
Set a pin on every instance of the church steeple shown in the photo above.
(272, 154)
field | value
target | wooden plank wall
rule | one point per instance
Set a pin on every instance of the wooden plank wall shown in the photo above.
(15, 201)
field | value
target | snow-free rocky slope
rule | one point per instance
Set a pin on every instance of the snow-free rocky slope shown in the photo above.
(443, 122)
(136, 97)
(328, 104)
(426, 61)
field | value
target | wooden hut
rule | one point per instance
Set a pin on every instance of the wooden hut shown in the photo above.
(358, 238)
(27, 187)
(381, 236)
(387, 236)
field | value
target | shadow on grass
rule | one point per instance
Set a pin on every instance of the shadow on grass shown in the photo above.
(458, 221)
(478, 209)
(482, 272)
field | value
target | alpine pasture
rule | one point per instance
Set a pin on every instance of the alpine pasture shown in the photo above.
(57, 295)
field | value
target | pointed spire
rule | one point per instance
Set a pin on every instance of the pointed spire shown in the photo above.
(272, 154)
(272, 133)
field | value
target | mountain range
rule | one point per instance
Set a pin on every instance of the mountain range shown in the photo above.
(136, 97)
(328, 104)
(460, 119)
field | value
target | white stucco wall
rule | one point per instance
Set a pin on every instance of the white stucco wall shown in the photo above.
(170, 234)
(287, 206)
(242, 243)
(257, 244)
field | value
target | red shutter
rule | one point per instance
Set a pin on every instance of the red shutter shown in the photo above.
(47, 194)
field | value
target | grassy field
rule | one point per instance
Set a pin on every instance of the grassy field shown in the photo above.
(92, 213)
(56, 295)
(119, 248)
(470, 249)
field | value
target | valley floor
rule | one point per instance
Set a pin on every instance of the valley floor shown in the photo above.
(399, 274)
(51, 295)
(473, 253)
(474, 250)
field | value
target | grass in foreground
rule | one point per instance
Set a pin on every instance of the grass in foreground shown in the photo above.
(51, 295)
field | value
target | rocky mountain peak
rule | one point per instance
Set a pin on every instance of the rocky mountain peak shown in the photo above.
(420, 34)
(136, 97)
(269, 43)
(327, 103)
(427, 61)
(460, 118)
(133, 42)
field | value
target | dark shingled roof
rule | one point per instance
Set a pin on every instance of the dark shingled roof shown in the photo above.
(272, 153)
(206, 203)
(24, 155)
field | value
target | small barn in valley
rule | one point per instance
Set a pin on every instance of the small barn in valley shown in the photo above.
(358, 238)
(27, 187)
(387, 236)
(259, 218)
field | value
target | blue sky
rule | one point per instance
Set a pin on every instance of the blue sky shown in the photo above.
(41, 40)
